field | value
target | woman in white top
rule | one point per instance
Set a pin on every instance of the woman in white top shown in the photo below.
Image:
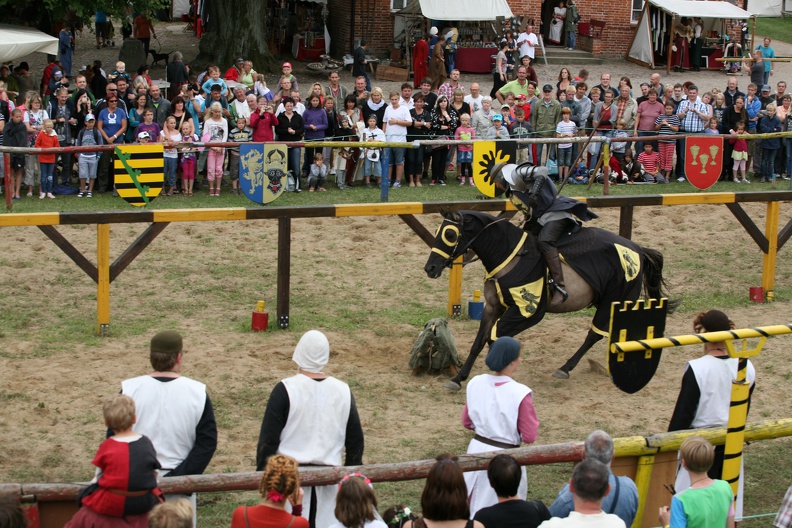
(33, 117)
(557, 24)
(502, 414)
(356, 504)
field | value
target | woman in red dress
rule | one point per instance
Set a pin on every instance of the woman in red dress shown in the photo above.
(420, 60)
(279, 483)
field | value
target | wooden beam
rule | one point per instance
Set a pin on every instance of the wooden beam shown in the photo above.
(72, 252)
(784, 235)
(284, 271)
(418, 228)
(626, 221)
(769, 260)
(749, 225)
(103, 278)
(136, 248)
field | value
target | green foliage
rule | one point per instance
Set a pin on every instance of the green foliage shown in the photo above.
(778, 28)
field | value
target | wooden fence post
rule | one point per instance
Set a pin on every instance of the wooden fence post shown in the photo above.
(769, 260)
(455, 288)
(103, 282)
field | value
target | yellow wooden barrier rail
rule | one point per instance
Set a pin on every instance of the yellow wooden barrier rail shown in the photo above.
(104, 272)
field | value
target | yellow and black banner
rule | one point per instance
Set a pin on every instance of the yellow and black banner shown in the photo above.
(139, 172)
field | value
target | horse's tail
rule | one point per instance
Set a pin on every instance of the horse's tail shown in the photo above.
(655, 286)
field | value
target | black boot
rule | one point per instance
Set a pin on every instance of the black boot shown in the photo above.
(556, 273)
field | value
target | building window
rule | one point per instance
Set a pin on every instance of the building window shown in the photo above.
(637, 7)
(398, 5)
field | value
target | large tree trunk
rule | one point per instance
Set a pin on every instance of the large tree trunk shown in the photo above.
(237, 29)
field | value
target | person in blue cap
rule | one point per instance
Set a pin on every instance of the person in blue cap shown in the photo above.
(501, 412)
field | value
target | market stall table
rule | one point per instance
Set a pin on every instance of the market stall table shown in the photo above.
(475, 60)
(301, 51)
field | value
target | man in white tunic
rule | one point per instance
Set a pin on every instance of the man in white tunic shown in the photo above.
(174, 411)
(502, 414)
(705, 396)
(312, 418)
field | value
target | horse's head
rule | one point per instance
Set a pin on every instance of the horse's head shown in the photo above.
(454, 237)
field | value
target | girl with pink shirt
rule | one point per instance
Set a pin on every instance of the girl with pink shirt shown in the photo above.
(465, 152)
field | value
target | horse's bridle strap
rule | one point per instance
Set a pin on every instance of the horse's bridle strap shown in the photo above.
(505, 263)
(441, 253)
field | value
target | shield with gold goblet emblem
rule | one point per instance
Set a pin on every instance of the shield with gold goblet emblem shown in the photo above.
(703, 165)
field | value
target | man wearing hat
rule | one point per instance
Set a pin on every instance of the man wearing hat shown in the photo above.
(174, 411)
(312, 418)
(502, 414)
(545, 115)
(705, 396)
(233, 73)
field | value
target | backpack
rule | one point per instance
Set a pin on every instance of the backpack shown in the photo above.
(97, 138)
(435, 350)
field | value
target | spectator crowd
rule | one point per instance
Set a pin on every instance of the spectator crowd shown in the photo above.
(98, 107)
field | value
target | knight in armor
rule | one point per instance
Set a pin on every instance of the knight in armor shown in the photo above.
(547, 214)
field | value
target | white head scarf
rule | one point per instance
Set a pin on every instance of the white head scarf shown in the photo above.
(312, 352)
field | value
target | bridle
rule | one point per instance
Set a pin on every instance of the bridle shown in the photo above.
(455, 252)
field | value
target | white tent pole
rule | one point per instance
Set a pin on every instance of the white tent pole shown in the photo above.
(670, 42)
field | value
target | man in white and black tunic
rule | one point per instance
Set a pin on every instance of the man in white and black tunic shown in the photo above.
(312, 418)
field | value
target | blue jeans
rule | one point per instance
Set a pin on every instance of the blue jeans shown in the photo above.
(47, 170)
(571, 39)
(450, 58)
(294, 168)
(170, 171)
(368, 81)
(768, 161)
(766, 78)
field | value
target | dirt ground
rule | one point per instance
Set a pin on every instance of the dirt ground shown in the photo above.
(361, 281)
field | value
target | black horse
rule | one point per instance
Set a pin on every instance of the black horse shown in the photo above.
(600, 268)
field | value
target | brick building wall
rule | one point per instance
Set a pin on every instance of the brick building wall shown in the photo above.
(374, 21)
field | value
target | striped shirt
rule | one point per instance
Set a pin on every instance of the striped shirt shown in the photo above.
(565, 128)
(665, 130)
(650, 162)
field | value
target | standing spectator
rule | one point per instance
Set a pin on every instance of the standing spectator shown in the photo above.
(444, 124)
(481, 120)
(335, 88)
(263, 121)
(143, 30)
(767, 125)
(375, 105)
(604, 86)
(87, 161)
(176, 74)
(527, 42)
(312, 417)
(124, 489)
(757, 69)
(420, 60)
(66, 50)
(215, 130)
(767, 53)
(545, 115)
(34, 119)
(645, 118)
(705, 396)
(15, 134)
(784, 517)
(502, 414)
(100, 28)
(622, 500)
(315, 122)
(169, 135)
(160, 104)
(64, 115)
(465, 132)
(626, 107)
(500, 73)
(666, 125)
(48, 139)
(174, 411)
(570, 24)
(565, 129)
(135, 117)
(707, 502)
(360, 64)
(437, 70)
(395, 122)
(451, 37)
(420, 121)
(444, 498)
(474, 98)
(693, 117)
(291, 127)
(505, 474)
(279, 483)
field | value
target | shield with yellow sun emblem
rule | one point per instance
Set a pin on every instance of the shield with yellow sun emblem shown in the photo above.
(486, 154)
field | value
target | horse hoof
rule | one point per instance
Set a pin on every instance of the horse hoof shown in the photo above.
(561, 374)
(452, 385)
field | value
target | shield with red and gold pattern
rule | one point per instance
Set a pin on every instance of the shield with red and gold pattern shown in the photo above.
(703, 160)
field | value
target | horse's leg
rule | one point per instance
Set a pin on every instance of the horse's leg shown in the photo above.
(591, 339)
(492, 311)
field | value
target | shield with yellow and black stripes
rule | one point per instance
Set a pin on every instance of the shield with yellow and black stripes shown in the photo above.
(139, 172)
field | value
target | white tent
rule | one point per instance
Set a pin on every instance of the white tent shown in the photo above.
(767, 8)
(642, 47)
(461, 10)
(18, 41)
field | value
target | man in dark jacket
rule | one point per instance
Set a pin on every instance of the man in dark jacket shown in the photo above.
(359, 66)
